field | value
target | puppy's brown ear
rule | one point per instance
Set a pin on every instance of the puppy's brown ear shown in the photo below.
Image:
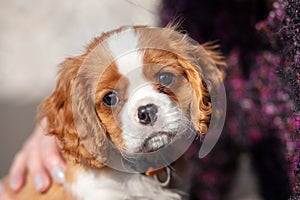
(59, 110)
(215, 59)
(205, 73)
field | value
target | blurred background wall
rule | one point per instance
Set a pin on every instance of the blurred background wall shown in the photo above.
(35, 36)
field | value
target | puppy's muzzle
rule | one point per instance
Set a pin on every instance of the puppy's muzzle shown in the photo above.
(147, 114)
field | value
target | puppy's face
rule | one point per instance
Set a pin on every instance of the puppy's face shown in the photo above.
(145, 104)
(136, 88)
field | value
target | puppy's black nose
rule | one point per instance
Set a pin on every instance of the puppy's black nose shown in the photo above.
(147, 114)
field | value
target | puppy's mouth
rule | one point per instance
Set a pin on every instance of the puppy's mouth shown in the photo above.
(157, 141)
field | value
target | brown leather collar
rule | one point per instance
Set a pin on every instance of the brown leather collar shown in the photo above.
(151, 171)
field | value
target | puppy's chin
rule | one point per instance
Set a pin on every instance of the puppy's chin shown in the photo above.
(156, 141)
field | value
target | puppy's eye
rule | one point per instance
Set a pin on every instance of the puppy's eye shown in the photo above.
(166, 79)
(111, 99)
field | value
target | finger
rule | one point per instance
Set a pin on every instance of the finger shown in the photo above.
(3, 196)
(50, 152)
(18, 171)
(53, 160)
(40, 176)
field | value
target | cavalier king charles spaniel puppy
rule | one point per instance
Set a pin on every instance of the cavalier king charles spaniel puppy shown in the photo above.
(125, 111)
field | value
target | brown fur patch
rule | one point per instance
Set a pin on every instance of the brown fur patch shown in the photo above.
(112, 80)
(58, 110)
(159, 61)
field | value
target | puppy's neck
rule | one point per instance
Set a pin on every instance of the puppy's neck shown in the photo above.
(85, 182)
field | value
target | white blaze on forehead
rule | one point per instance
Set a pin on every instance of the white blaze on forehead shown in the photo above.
(124, 48)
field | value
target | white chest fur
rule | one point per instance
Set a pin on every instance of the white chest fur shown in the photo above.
(109, 184)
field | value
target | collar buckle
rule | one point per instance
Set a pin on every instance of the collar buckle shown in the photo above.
(162, 175)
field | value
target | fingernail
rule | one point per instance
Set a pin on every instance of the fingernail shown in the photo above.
(58, 174)
(13, 184)
(39, 182)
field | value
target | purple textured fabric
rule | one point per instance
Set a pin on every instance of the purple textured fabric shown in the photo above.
(259, 39)
(289, 37)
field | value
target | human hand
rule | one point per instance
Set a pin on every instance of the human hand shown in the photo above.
(40, 157)
(3, 195)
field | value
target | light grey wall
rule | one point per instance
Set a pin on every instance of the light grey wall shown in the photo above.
(37, 35)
